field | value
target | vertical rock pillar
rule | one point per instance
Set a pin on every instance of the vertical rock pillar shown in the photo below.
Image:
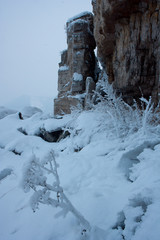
(77, 63)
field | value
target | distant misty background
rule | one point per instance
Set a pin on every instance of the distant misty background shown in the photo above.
(32, 35)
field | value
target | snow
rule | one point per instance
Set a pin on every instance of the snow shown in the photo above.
(5, 173)
(64, 68)
(5, 111)
(29, 111)
(79, 16)
(112, 180)
(77, 77)
(78, 21)
(78, 96)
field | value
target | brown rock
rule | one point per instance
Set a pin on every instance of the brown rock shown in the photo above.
(65, 104)
(127, 35)
(77, 63)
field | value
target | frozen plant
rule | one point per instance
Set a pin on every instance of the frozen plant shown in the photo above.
(47, 190)
(123, 118)
(147, 113)
(118, 113)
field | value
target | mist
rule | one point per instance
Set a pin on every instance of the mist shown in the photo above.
(32, 37)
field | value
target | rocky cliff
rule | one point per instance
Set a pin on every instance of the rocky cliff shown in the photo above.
(127, 35)
(78, 63)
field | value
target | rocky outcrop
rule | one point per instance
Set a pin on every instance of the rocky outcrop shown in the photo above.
(78, 63)
(127, 35)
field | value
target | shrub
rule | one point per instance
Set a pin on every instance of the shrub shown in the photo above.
(35, 178)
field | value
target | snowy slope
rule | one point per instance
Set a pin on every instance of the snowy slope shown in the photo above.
(113, 181)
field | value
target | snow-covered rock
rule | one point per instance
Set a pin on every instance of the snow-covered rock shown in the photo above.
(77, 63)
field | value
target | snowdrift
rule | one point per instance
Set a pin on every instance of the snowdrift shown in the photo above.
(109, 169)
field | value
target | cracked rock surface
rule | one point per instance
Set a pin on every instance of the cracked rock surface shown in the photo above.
(128, 42)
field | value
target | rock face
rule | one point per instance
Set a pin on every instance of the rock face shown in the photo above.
(77, 63)
(127, 35)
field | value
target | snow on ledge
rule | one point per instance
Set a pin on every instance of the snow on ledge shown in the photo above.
(64, 68)
(70, 24)
(82, 14)
(77, 77)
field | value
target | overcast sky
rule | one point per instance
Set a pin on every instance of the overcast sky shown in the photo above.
(32, 36)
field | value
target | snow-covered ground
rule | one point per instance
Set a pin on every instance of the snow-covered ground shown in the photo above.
(112, 179)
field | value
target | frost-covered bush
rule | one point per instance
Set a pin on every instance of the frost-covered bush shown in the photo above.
(47, 190)
(121, 117)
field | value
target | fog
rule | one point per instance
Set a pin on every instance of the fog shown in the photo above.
(32, 37)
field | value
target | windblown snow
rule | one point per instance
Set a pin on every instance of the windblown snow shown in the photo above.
(112, 179)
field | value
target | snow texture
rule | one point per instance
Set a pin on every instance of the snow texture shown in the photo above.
(78, 96)
(108, 168)
(5, 172)
(77, 77)
(5, 112)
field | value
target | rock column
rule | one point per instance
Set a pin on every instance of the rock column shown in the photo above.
(77, 63)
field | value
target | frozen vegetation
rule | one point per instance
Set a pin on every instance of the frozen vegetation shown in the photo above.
(100, 182)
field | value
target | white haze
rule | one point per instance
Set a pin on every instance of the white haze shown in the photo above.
(32, 37)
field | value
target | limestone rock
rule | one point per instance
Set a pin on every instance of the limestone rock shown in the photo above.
(127, 35)
(65, 104)
(77, 63)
